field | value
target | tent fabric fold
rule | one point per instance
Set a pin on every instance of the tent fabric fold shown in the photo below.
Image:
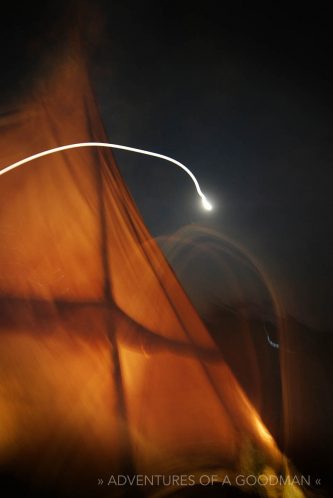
(105, 366)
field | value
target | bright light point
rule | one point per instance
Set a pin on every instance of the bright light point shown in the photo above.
(206, 204)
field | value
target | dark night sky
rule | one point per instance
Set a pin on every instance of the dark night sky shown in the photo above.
(241, 92)
(242, 95)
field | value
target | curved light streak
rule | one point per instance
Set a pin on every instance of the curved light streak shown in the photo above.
(205, 202)
(270, 342)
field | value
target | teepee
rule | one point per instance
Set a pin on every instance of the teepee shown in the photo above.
(105, 366)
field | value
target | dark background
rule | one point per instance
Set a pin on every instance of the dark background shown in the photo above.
(241, 93)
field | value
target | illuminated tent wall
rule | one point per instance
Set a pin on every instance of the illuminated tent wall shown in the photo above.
(105, 367)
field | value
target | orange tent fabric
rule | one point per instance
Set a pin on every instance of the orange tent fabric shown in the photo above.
(105, 366)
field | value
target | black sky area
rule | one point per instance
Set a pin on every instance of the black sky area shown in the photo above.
(241, 92)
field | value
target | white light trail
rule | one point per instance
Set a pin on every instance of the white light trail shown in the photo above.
(205, 202)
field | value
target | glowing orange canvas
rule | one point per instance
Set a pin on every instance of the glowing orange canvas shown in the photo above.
(106, 367)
